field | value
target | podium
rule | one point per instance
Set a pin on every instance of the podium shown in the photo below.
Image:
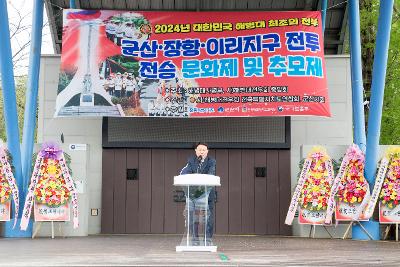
(197, 188)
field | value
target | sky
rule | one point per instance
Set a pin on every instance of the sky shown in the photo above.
(20, 11)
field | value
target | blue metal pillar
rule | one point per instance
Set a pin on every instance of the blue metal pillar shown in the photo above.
(323, 10)
(356, 76)
(72, 4)
(31, 95)
(378, 88)
(375, 113)
(10, 106)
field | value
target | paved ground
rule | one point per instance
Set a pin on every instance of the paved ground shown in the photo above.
(159, 250)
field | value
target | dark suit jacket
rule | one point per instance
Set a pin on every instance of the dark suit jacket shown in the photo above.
(193, 165)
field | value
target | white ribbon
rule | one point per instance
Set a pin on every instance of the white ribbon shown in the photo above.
(295, 199)
(369, 210)
(329, 167)
(334, 189)
(11, 182)
(71, 187)
(26, 214)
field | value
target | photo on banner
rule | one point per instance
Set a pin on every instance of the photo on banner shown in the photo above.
(192, 64)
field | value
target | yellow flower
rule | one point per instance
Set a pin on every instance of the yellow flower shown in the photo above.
(315, 188)
(52, 169)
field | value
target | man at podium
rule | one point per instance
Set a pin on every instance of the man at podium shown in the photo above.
(201, 163)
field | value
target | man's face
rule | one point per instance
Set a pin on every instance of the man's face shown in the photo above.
(201, 151)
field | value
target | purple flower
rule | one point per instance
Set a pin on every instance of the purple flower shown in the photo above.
(50, 150)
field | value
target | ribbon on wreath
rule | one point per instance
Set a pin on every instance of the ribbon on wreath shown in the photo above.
(7, 172)
(295, 199)
(369, 210)
(71, 187)
(353, 154)
(26, 214)
(334, 189)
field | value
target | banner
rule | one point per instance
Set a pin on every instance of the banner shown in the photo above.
(387, 216)
(5, 211)
(44, 213)
(312, 217)
(192, 64)
(349, 212)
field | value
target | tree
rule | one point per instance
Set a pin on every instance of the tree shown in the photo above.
(20, 27)
(20, 89)
(369, 12)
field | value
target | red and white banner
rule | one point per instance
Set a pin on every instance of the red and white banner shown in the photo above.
(192, 64)
(387, 215)
(44, 213)
(312, 217)
(5, 211)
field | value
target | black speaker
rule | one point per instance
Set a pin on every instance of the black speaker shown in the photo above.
(260, 171)
(132, 174)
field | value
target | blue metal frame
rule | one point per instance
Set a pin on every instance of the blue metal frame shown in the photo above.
(31, 95)
(72, 4)
(375, 114)
(356, 75)
(323, 10)
(378, 88)
(10, 106)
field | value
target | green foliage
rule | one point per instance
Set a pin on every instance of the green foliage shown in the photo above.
(20, 89)
(369, 12)
(390, 131)
(63, 81)
(125, 102)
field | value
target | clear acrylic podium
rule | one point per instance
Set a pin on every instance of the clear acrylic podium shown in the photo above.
(197, 188)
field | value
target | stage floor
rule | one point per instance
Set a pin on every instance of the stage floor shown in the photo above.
(159, 250)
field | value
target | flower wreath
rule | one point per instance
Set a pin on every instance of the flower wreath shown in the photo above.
(8, 185)
(317, 185)
(390, 192)
(353, 186)
(51, 188)
(313, 184)
(51, 183)
(5, 188)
